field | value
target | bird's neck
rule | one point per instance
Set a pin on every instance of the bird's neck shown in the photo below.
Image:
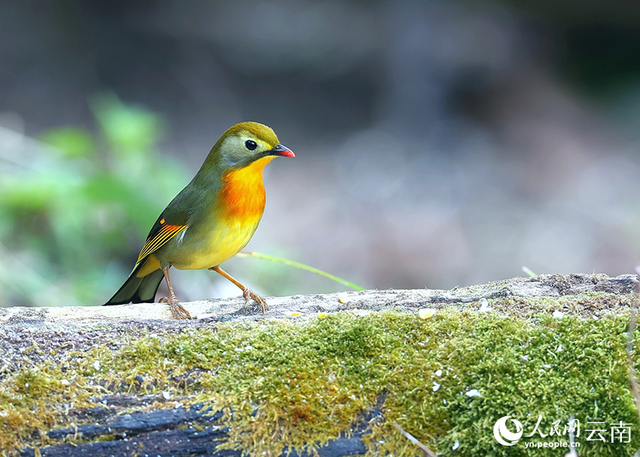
(242, 192)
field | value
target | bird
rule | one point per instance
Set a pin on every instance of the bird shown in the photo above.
(210, 220)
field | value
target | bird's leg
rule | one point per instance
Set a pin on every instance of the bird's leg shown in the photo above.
(177, 311)
(246, 292)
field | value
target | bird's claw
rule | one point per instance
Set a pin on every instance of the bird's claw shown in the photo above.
(247, 293)
(177, 311)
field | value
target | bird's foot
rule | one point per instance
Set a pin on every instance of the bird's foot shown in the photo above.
(177, 311)
(247, 293)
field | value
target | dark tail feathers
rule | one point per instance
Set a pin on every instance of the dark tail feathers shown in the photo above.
(138, 290)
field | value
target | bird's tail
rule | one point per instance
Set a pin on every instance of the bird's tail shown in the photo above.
(138, 289)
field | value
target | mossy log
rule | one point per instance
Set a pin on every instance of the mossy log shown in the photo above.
(324, 375)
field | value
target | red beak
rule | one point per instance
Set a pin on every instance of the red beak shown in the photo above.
(283, 151)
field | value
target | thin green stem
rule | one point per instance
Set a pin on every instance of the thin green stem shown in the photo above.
(299, 265)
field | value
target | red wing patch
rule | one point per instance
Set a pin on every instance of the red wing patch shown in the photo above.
(158, 239)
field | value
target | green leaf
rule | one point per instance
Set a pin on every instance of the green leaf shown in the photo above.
(70, 141)
(129, 127)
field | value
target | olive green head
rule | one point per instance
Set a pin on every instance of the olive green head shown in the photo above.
(245, 143)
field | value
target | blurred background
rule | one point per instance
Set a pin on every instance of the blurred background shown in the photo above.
(438, 143)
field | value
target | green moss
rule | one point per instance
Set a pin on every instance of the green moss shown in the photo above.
(292, 385)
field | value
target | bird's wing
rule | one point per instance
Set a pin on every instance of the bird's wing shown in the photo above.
(168, 225)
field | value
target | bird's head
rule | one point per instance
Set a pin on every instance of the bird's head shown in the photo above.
(246, 143)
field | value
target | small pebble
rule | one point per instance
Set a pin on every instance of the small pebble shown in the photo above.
(426, 313)
(484, 306)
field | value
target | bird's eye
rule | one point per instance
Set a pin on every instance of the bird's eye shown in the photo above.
(250, 145)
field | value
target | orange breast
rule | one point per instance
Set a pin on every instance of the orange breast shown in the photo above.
(242, 196)
(238, 208)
